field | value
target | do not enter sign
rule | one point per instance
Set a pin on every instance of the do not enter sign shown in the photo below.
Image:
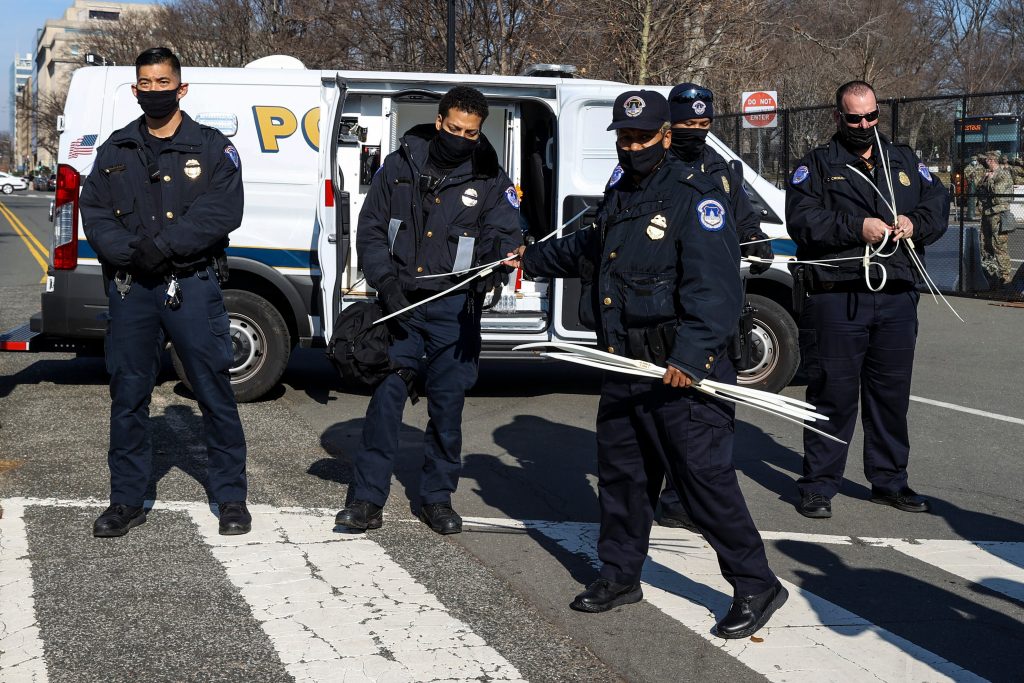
(766, 101)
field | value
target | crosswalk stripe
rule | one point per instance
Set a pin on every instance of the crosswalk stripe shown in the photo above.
(338, 608)
(335, 606)
(997, 565)
(808, 639)
(21, 648)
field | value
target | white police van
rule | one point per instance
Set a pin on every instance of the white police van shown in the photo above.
(310, 142)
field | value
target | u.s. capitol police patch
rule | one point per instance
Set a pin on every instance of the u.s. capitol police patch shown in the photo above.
(617, 174)
(711, 215)
(925, 173)
(512, 196)
(231, 153)
(801, 174)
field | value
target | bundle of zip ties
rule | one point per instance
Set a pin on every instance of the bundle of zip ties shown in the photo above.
(478, 271)
(789, 409)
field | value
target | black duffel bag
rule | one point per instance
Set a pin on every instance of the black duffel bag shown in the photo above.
(359, 349)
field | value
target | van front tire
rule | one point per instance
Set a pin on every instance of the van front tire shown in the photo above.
(7, 189)
(261, 345)
(775, 352)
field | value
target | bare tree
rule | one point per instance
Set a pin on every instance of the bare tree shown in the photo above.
(40, 115)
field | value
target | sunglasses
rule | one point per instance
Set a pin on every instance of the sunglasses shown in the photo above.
(692, 95)
(856, 118)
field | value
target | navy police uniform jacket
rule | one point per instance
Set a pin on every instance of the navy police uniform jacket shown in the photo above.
(826, 204)
(472, 217)
(730, 179)
(200, 193)
(663, 251)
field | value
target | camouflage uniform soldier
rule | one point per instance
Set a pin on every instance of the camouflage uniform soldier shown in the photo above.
(995, 191)
(973, 173)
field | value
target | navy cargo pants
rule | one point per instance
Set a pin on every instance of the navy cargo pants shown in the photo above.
(858, 347)
(138, 327)
(441, 340)
(645, 429)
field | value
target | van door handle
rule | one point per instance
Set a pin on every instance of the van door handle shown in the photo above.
(332, 238)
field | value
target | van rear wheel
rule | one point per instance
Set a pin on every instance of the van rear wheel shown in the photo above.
(775, 351)
(260, 342)
(7, 189)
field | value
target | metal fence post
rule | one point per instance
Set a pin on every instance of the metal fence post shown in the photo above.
(785, 145)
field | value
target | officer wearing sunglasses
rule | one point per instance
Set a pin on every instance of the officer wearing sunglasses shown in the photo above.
(857, 334)
(692, 109)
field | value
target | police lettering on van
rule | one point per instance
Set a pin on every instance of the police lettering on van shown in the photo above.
(311, 141)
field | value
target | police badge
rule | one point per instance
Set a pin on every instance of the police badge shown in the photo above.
(192, 168)
(656, 230)
(904, 179)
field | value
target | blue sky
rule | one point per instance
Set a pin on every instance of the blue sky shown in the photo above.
(20, 19)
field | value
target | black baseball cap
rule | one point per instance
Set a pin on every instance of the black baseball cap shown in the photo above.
(640, 109)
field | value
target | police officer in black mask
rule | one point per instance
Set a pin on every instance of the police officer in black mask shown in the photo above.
(693, 109)
(661, 283)
(439, 204)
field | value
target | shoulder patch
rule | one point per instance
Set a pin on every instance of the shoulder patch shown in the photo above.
(923, 170)
(616, 176)
(801, 174)
(711, 215)
(231, 153)
(512, 196)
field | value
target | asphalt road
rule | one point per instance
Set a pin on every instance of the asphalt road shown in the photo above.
(876, 594)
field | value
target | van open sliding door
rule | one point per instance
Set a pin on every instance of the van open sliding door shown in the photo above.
(586, 159)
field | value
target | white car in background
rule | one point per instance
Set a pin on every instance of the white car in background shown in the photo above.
(10, 183)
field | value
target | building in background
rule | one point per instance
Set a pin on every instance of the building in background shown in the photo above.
(59, 51)
(21, 74)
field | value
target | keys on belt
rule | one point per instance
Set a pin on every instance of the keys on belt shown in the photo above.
(172, 299)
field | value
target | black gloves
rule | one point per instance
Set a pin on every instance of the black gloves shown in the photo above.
(148, 259)
(762, 250)
(391, 298)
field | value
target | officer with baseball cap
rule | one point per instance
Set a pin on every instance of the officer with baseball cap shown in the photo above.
(660, 283)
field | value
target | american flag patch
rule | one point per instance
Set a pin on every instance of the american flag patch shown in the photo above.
(82, 147)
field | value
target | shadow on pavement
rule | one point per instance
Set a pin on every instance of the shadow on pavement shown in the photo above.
(966, 633)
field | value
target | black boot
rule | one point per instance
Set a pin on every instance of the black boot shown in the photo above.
(117, 520)
(603, 595)
(360, 515)
(905, 499)
(441, 518)
(815, 506)
(750, 612)
(674, 516)
(235, 519)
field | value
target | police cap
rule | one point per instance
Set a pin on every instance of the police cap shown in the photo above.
(640, 109)
(691, 101)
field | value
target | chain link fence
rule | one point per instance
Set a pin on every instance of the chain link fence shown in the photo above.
(954, 135)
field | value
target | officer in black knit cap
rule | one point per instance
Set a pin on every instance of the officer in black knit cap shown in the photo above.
(692, 109)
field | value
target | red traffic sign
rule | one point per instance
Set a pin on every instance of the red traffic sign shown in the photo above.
(759, 109)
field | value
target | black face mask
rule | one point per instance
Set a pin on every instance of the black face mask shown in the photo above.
(856, 139)
(158, 104)
(643, 161)
(448, 151)
(688, 143)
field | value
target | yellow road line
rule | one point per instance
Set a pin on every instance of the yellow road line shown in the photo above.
(39, 253)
